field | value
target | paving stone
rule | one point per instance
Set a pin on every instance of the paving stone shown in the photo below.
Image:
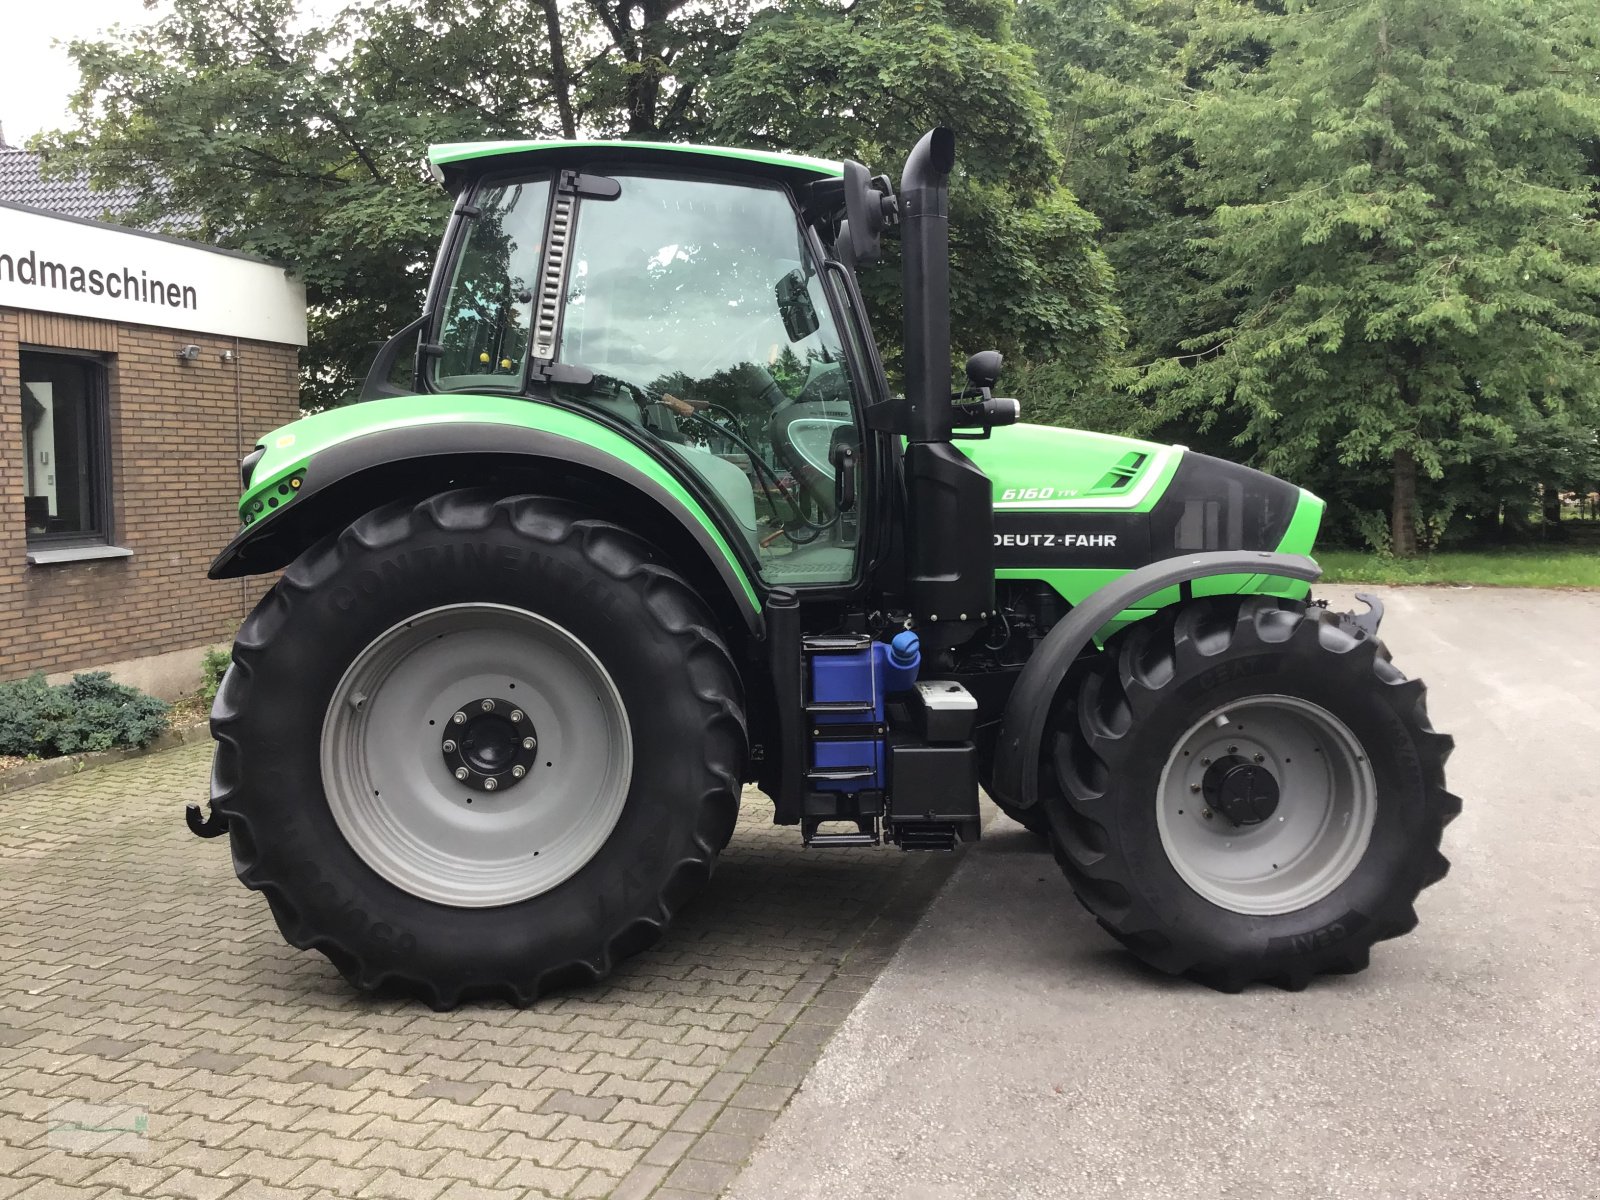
(267, 1167)
(750, 1121)
(547, 1150)
(104, 1047)
(702, 1175)
(614, 1160)
(788, 1075)
(347, 1152)
(209, 1060)
(603, 1133)
(474, 1168)
(128, 1175)
(722, 1085)
(391, 1185)
(450, 1089)
(461, 1190)
(724, 1147)
(639, 1183)
(326, 1073)
(191, 1185)
(594, 1108)
(553, 1181)
(252, 1190)
(406, 1159)
(533, 1125)
(451, 1137)
(669, 1149)
(49, 1189)
(594, 1186)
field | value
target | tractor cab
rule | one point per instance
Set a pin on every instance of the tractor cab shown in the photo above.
(682, 293)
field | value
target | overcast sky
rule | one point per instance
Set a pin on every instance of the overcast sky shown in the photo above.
(37, 77)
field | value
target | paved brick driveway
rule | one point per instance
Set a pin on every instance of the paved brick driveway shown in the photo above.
(157, 1038)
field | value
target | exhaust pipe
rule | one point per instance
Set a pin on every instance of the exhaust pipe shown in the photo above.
(950, 543)
(925, 244)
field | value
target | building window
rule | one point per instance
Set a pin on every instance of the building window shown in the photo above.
(66, 449)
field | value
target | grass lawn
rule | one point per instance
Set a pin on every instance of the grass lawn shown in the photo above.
(1535, 566)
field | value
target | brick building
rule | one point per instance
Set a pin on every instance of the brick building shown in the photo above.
(135, 371)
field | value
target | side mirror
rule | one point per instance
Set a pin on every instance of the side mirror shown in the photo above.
(795, 307)
(983, 369)
(867, 209)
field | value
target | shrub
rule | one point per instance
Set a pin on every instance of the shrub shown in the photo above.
(89, 713)
(212, 668)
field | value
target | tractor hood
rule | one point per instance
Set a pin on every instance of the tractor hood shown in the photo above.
(1068, 498)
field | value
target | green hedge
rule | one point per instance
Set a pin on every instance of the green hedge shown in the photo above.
(90, 713)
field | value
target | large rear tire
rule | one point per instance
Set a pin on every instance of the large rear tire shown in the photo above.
(478, 746)
(1248, 791)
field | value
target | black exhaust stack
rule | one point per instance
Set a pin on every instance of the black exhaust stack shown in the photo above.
(951, 535)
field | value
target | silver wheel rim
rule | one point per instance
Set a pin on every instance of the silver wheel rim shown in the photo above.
(1308, 845)
(393, 793)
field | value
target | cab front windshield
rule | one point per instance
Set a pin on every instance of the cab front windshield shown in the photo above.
(697, 306)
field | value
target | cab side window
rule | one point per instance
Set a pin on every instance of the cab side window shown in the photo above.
(484, 329)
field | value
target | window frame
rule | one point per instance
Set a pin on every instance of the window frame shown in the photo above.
(100, 450)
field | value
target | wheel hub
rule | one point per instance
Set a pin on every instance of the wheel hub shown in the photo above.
(489, 744)
(1242, 791)
(1266, 804)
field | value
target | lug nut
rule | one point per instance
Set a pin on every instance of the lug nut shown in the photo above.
(461, 773)
(490, 784)
(1205, 762)
(459, 719)
(1206, 813)
(1194, 787)
(516, 715)
(487, 706)
(518, 771)
(1261, 758)
(449, 745)
(528, 743)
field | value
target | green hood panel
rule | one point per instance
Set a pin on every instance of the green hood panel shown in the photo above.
(290, 449)
(1043, 468)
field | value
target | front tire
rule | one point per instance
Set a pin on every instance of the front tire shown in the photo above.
(1248, 791)
(478, 746)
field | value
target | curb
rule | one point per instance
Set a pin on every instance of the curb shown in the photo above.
(73, 764)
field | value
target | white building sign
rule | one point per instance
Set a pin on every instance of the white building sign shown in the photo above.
(53, 264)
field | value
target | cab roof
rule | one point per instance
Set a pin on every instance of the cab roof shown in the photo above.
(456, 161)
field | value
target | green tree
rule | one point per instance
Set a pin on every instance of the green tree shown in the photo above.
(249, 126)
(1403, 218)
(865, 83)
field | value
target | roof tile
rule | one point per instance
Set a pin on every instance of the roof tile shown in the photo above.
(22, 183)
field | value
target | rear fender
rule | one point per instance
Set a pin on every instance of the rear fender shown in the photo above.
(1016, 767)
(328, 486)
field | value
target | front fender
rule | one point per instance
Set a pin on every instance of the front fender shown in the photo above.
(320, 472)
(1016, 774)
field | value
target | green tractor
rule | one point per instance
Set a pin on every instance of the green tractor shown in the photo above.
(646, 524)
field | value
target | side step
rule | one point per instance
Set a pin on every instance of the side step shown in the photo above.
(910, 835)
(866, 833)
(841, 774)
